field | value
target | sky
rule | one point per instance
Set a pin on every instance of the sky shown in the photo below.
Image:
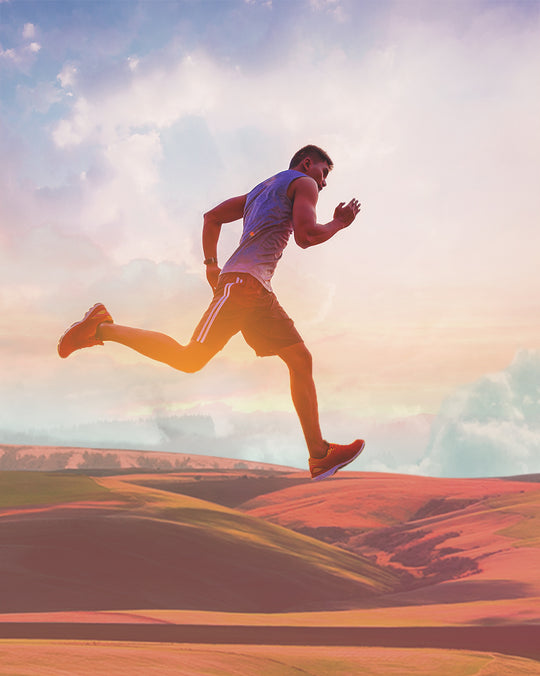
(122, 122)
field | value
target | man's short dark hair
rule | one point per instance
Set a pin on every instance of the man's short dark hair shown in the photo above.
(314, 152)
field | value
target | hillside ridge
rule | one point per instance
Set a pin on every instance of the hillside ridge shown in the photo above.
(57, 458)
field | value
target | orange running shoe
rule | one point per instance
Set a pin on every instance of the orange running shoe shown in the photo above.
(83, 333)
(336, 457)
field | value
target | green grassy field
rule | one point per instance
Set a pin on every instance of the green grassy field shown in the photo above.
(23, 489)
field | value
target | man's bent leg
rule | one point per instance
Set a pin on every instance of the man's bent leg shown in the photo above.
(304, 396)
(158, 346)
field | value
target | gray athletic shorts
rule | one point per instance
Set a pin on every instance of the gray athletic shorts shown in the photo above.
(241, 303)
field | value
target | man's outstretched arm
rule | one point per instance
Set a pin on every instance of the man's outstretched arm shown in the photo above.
(226, 212)
(307, 232)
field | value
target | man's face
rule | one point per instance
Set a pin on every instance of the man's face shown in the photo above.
(318, 171)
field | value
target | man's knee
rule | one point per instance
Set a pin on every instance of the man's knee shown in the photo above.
(194, 357)
(298, 358)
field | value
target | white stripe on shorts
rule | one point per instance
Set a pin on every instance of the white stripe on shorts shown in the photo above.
(213, 315)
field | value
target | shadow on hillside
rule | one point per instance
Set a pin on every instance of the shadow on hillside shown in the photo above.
(459, 591)
(92, 559)
(228, 491)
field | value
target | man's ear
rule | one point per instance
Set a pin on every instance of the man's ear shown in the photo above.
(306, 162)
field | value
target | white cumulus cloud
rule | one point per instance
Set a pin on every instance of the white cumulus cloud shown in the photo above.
(491, 427)
(29, 31)
(67, 76)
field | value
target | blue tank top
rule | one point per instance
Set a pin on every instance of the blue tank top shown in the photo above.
(267, 228)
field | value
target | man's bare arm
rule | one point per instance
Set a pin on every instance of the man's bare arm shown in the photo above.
(226, 212)
(307, 232)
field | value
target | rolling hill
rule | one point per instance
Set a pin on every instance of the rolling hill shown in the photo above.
(260, 558)
(123, 546)
(58, 458)
(451, 539)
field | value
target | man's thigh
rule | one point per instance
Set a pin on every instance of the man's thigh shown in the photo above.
(268, 329)
(223, 317)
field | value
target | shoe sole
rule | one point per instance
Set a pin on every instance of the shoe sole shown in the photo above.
(330, 472)
(73, 326)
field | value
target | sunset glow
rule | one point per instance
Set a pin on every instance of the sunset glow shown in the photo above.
(121, 123)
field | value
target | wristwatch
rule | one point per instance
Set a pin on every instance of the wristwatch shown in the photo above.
(210, 261)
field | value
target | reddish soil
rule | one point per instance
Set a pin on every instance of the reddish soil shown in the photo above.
(372, 500)
(430, 531)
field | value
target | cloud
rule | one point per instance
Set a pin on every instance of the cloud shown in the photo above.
(332, 7)
(232, 101)
(118, 144)
(491, 427)
(191, 85)
(8, 54)
(22, 55)
(387, 124)
(67, 76)
(29, 31)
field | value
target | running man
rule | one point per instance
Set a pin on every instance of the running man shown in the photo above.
(243, 299)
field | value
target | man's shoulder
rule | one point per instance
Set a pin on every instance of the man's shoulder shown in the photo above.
(303, 184)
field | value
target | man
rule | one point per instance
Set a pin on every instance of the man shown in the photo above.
(243, 298)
